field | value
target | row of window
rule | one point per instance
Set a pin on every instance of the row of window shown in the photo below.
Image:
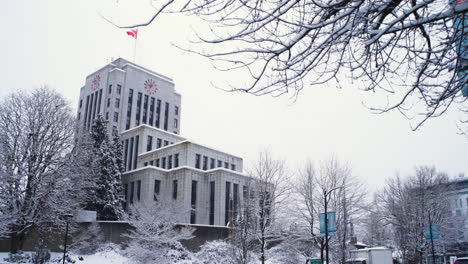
(164, 162)
(213, 162)
(148, 111)
(459, 203)
(119, 89)
(130, 153)
(92, 107)
(132, 192)
(159, 143)
(231, 201)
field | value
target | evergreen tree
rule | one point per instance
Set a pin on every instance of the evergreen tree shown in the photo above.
(108, 170)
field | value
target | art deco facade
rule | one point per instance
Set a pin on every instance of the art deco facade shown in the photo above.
(145, 109)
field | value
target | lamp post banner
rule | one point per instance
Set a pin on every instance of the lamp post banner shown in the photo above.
(331, 217)
(435, 233)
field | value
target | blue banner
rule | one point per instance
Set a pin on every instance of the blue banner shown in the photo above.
(331, 217)
(435, 233)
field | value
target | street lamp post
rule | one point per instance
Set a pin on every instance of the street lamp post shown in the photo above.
(325, 196)
(67, 218)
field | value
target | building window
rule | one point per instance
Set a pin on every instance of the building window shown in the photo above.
(135, 157)
(236, 199)
(108, 102)
(86, 111)
(110, 88)
(125, 154)
(212, 163)
(79, 116)
(157, 187)
(197, 161)
(212, 202)
(119, 89)
(125, 196)
(132, 191)
(149, 143)
(145, 164)
(227, 205)
(151, 112)
(174, 189)
(175, 122)
(163, 165)
(205, 162)
(151, 162)
(176, 160)
(169, 162)
(95, 104)
(193, 203)
(145, 108)
(81, 103)
(99, 104)
(157, 163)
(176, 110)
(226, 165)
(130, 155)
(129, 109)
(166, 142)
(158, 112)
(220, 164)
(233, 167)
(166, 115)
(107, 116)
(116, 117)
(138, 110)
(138, 190)
(117, 103)
(158, 142)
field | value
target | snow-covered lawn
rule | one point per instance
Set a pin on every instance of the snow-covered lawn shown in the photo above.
(103, 257)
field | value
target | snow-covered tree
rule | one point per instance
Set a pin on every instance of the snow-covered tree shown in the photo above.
(333, 186)
(410, 205)
(375, 232)
(259, 220)
(156, 236)
(414, 52)
(100, 158)
(36, 133)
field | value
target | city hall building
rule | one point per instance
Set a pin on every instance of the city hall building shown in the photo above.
(145, 109)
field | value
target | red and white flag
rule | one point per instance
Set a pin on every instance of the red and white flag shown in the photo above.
(133, 33)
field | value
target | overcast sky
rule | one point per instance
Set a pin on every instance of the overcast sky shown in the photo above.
(57, 43)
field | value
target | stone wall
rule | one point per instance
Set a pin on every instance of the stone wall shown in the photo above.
(114, 232)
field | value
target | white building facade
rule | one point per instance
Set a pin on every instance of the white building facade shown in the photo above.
(145, 109)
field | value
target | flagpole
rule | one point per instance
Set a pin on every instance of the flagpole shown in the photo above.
(134, 51)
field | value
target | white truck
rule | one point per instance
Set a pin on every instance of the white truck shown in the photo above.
(376, 255)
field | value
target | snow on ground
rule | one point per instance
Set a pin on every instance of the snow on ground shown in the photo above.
(103, 257)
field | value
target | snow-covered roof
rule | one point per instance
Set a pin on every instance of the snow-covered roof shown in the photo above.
(186, 167)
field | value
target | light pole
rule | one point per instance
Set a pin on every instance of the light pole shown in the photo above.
(67, 218)
(325, 199)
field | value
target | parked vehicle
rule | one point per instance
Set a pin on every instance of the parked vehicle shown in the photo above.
(461, 261)
(377, 255)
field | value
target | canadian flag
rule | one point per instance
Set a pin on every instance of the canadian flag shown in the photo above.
(133, 33)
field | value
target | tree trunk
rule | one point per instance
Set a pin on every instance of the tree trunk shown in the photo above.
(17, 242)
